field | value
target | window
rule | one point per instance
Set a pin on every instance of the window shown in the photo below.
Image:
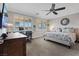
(42, 26)
(17, 24)
(28, 24)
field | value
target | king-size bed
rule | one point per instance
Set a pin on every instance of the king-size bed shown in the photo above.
(66, 38)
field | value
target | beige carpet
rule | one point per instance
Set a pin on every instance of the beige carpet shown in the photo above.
(40, 47)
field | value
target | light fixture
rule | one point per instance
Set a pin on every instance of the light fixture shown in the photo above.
(9, 25)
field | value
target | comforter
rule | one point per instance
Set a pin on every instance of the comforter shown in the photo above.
(64, 38)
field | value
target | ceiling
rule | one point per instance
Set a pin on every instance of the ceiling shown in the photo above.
(35, 9)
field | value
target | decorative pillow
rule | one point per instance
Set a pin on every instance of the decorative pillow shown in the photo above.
(57, 29)
(64, 30)
(68, 30)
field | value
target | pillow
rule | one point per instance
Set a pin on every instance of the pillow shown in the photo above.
(68, 30)
(57, 29)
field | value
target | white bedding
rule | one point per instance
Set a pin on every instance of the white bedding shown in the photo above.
(60, 37)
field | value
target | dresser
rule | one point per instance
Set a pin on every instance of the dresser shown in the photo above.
(14, 45)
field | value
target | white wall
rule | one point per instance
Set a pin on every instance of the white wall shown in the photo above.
(74, 21)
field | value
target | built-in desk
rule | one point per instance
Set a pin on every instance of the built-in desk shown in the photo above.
(14, 45)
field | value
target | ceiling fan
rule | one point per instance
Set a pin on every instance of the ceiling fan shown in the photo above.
(53, 10)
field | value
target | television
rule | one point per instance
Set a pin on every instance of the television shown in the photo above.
(3, 16)
(0, 15)
(3, 19)
(0, 20)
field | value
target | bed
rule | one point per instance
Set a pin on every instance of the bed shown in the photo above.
(65, 38)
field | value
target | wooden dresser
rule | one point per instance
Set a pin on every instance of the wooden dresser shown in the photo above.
(14, 45)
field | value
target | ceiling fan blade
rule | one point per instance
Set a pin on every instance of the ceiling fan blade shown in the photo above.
(55, 13)
(53, 6)
(48, 13)
(60, 9)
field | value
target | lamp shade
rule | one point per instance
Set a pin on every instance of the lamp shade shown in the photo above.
(9, 25)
